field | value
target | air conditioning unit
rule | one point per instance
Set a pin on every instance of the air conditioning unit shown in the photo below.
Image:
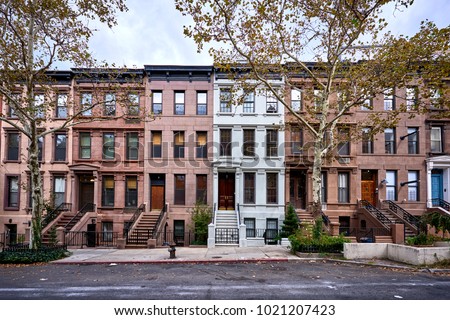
(344, 160)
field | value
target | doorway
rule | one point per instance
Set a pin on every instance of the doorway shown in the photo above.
(437, 191)
(226, 190)
(157, 191)
(369, 186)
(86, 190)
(11, 234)
(297, 188)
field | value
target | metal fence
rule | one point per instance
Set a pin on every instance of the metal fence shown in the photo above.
(91, 239)
(364, 235)
(227, 236)
(271, 236)
(9, 239)
(181, 239)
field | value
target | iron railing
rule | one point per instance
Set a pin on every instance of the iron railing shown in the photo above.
(440, 203)
(157, 226)
(88, 207)
(181, 239)
(227, 236)
(376, 213)
(138, 237)
(403, 214)
(9, 239)
(91, 239)
(52, 215)
(134, 218)
(364, 235)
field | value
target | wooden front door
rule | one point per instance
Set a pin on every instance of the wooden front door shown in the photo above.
(86, 191)
(368, 191)
(157, 202)
(226, 191)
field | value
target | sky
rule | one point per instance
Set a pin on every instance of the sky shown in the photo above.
(151, 32)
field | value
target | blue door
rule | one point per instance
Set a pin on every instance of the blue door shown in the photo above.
(436, 186)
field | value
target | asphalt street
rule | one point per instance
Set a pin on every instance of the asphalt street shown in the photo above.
(293, 280)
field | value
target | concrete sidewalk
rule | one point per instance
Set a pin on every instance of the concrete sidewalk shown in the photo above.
(183, 255)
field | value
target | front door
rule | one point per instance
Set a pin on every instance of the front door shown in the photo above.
(297, 189)
(11, 234)
(86, 190)
(226, 191)
(436, 184)
(157, 190)
(368, 187)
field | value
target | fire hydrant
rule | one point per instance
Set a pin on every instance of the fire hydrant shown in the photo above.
(172, 250)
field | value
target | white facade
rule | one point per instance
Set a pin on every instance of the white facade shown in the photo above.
(259, 179)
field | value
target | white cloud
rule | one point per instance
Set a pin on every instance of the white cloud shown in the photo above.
(151, 32)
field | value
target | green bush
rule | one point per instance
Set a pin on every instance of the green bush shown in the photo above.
(201, 215)
(290, 223)
(421, 239)
(32, 256)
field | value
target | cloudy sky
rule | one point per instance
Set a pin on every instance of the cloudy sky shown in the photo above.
(151, 32)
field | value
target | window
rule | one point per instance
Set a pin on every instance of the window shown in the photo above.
(179, 102)
(202, 149)
(271, 103)
(108, 146)
(60, 147)
(107, 231)
(272, 143)
(108, 191)
(389, 102)
(367, 141)
(318, 100)
(202, 106)
(323, 183)
(12, 196)
(225, 100)
(133, 104)
(391, 185)
(178, 231)
(250, 227)
(13, 146)
(39, 107)
(40, 144)
(367, 104)
(249, 102)
(201, 194)
(131, 192)
(435, 98)
(225, 142)
(156, 144)
(436, 139)
(16, 97)
(86, 104)
(272, 188)
(342, 100)
(61, 105)
(296, 140)
(59, 190)
(110, 104)
(180, 189)
(157, 102)
(249, 143)
(271, 230)
(344, 144)
(389, 140)
(249, 187)
(296, 100)
(413, 185)
(411, 98)
(413, 140)
(85, 145)
(178, 151)
(343, 187)
(132, 146)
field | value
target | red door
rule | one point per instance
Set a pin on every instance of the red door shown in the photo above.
(226, 191)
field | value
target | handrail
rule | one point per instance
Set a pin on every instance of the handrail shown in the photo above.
(86, 208)
(238, 211)
(441, 203)
(162, 213)
(52, 215)
(134, 218)
(406, 216)
(214, 214)
(376, 213)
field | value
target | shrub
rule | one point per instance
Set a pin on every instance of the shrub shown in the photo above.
(33, 255)
(290, 223)
(201, 215)
(421, 239)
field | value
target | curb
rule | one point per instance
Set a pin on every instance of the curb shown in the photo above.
(203, 261)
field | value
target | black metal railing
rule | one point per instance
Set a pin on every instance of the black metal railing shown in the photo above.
(91, 239)
(181, 239)
(157, 226)
(440, 203)
(227, 236)
(11, 239)
(138, 237)
(364, 235)
(52, 215)
(134, 218)
(403, 214)
(88, 207)
(376, 213)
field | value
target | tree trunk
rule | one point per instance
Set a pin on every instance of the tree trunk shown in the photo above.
(317, 177)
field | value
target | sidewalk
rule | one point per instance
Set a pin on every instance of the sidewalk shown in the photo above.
(183, 255)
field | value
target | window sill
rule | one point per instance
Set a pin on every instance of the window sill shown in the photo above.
(272, 114)
(59, 162)
(249, 114)
(11, 208)
(12, 161)
(272, 158)
(225, 114)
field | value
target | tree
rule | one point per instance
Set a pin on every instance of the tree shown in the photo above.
(201, 215)
(36, 36)
(290, 223)
(353, 60)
